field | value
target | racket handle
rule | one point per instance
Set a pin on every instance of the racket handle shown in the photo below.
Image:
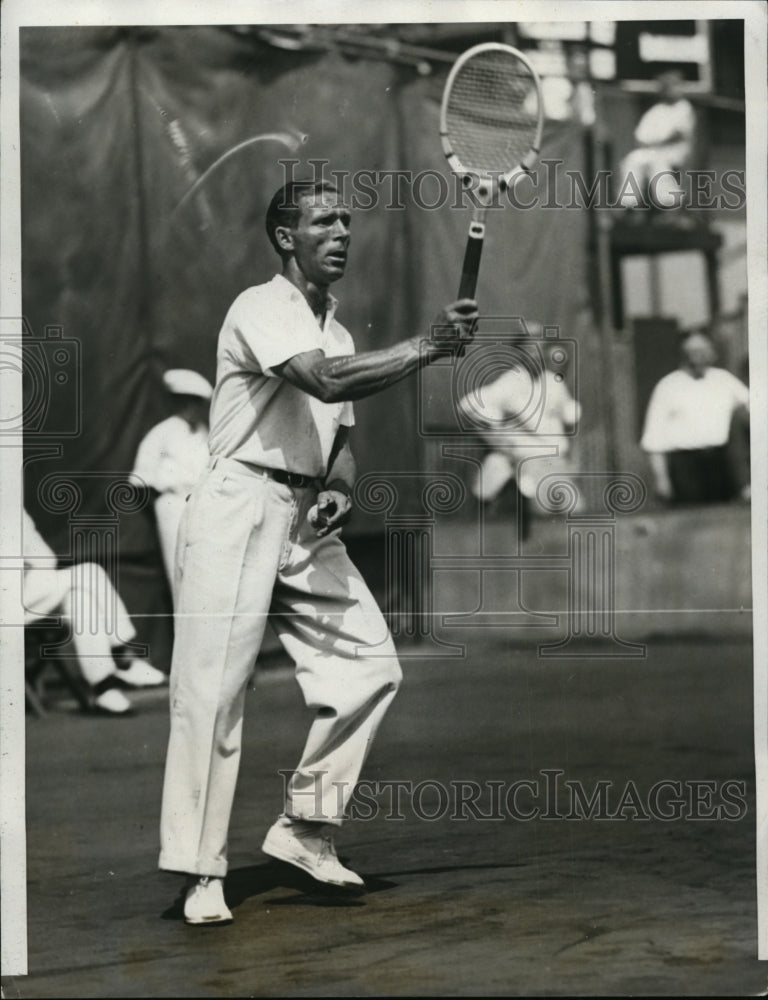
(471, 266)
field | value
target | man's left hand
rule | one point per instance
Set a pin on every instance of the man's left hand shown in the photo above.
(332, 510)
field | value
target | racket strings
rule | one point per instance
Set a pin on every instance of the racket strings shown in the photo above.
(492, 112)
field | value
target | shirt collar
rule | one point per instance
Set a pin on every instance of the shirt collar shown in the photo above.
(295, 295)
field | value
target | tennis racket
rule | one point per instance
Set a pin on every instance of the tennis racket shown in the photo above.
(491, 120)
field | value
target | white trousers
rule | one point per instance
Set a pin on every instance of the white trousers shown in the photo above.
(169, 508)
(83, 594)
(246, 551)
(527, 467)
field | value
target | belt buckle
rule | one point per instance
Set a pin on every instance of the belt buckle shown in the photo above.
(295, 480)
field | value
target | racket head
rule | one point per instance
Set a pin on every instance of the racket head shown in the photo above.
(492, 113)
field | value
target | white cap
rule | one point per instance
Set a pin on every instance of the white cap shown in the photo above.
(185, 382)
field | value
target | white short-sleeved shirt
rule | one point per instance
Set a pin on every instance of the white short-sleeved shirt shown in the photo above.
(172, 456)
(665, 122)
(524, 406)
(686, 413)
(258, 417)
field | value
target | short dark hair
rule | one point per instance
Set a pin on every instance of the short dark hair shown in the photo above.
(695, 331)
(285, 206)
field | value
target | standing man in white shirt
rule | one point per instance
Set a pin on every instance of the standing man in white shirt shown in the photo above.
(688, 424)
(260, 536)
(173, 456)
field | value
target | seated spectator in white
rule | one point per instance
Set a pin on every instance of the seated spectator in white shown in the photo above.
(173, 455)
(99, 623)
(693, 414)
(526, 417)
(665, 136)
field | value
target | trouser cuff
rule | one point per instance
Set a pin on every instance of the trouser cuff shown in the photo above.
(192, 866)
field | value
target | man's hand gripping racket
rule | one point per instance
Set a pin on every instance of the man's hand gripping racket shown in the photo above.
(491, 120)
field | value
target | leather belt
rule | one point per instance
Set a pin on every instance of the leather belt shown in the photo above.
(294, 479)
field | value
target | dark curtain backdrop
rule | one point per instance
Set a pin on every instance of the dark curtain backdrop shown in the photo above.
(116, 126)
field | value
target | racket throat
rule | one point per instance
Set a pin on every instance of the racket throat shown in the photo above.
(479, 214)
(481, 191)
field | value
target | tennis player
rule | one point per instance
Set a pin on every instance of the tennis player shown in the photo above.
(260, 536)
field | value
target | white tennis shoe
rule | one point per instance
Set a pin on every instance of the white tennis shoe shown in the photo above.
(302, 844)
(204, 902)
(112, 702)
(140, 673)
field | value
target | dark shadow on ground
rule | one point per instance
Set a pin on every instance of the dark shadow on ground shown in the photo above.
(256, 880)
(311, 893)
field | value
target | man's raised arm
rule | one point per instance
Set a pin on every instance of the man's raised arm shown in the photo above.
(355, 376)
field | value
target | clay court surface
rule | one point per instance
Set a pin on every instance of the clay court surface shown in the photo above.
(457, 904)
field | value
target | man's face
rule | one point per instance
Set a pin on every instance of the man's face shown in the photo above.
(321, 237)
(698, 354)
(670, 87)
